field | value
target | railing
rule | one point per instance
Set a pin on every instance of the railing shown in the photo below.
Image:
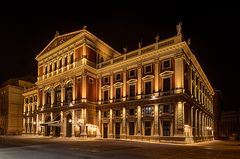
(134, 53)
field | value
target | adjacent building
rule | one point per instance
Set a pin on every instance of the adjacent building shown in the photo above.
(229, 125)
(85, 88)
(11, 105)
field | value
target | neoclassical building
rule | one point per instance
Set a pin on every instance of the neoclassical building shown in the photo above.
(85, 88)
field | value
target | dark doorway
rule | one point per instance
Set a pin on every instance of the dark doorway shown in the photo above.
(117, 130)
(69, 126)
(131, 128)
(147, 128)
(166, 128)
(105, 130)
(47, 128)
(57, 129)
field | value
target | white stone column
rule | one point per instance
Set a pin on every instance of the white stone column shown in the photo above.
(61, 131)
(84, 87)
(62, 95)
(24, 127)
(196, 123)
(43, 99)
(179, 74)
(179, 119)
(110, 129)
(124, 122)
(156, 129)
(139, 117)
(124, 91)
(73, 123)
(99, 124)
(37, 124)
(191, 126)
(111, 87)
(200, 123)
(43, 121)
(139, 75)
(51, 128)
(156, 80)
(52, 98)
(100, 89)
(84, 117)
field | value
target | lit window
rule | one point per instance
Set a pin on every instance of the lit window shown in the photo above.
(148, 110)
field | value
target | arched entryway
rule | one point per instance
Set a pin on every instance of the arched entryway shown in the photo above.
(69, 125)
(47, 128)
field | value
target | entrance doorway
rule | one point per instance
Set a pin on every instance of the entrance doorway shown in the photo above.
(117, 130)
(105, 130)
(166, 128)
(47, 128)
(69, 126)
(57, 129)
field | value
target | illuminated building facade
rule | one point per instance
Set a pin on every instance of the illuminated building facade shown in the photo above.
(85, 88)
(11, 105)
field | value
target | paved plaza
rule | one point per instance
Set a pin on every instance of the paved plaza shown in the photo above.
(71, 148)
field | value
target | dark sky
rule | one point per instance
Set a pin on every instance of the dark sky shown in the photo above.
(213, 29)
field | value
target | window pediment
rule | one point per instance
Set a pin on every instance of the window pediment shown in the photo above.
(147, 77)
(166, 73)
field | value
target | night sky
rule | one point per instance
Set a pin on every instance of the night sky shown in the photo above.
(213, 30)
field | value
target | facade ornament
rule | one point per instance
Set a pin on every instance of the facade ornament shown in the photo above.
(57, 33)
(139, 45)
(125, 50)
(85, 27)
(189, 41)
(157, 38)
(179, 28)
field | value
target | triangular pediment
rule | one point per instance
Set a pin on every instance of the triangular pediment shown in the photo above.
(58, 40)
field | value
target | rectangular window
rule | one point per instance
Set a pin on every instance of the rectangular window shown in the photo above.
(131, 128)
(71, 59)
(118, 93)
(118, 77)
(148, 110)
(132, 73)
(46, 70)
(166, 64)
(148, 87)
(131, 111)
(50, 68)
(166, 84)
(66, 61)
(105, 98)
(105, 80)
(148, 69)
(166, 109)
(132, 91)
